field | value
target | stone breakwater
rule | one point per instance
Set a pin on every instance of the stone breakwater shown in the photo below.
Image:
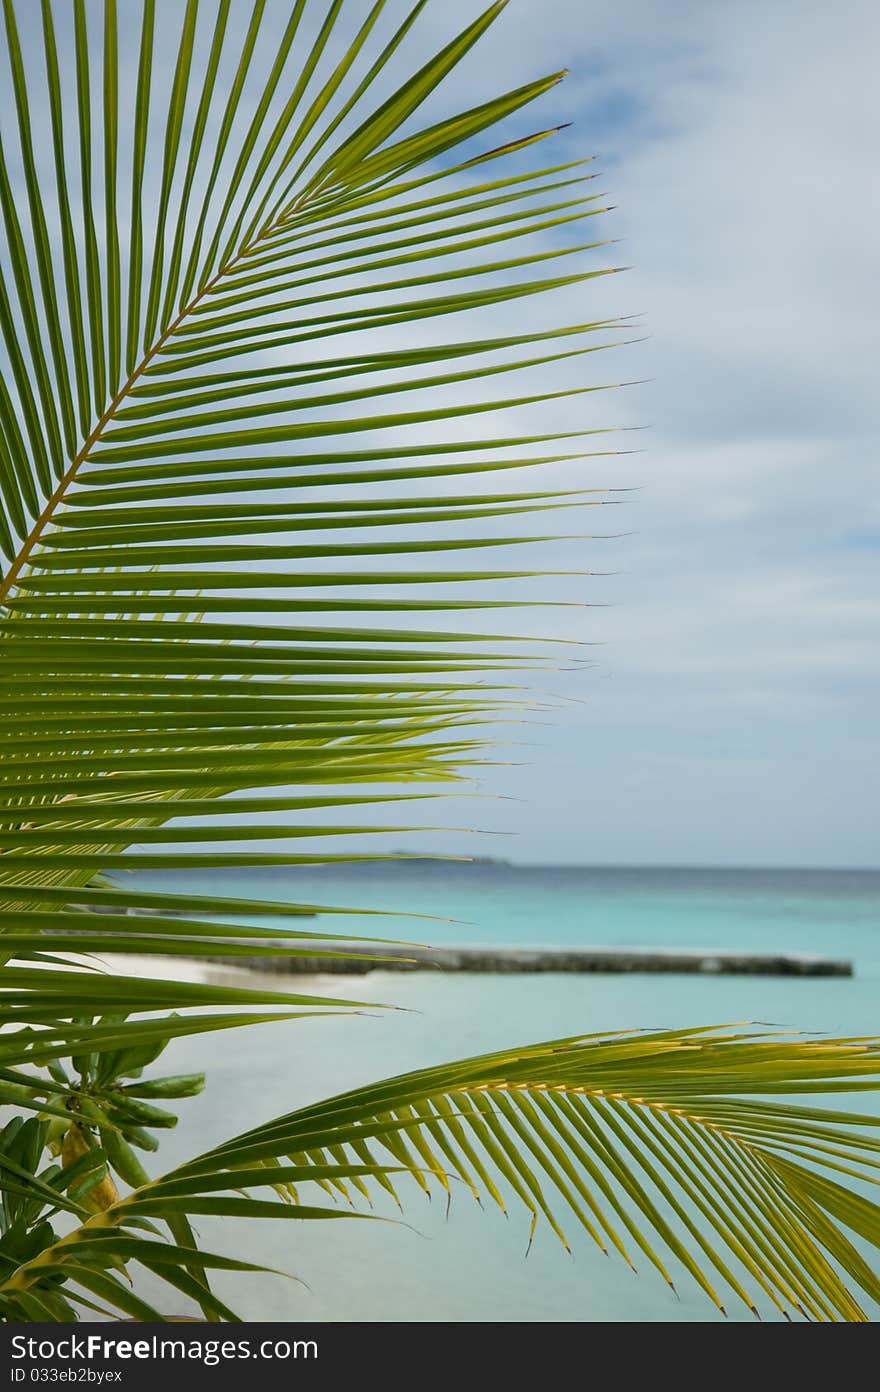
(507, 960)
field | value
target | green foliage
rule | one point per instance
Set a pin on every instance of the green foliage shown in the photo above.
(202, 614)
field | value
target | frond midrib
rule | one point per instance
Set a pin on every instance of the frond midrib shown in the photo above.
(32, 540)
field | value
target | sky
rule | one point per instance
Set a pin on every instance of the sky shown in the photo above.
(727, 712)
(730, 716)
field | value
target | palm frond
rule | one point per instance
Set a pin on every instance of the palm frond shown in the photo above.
(670, 1148)
(311, 220)
(123, 714)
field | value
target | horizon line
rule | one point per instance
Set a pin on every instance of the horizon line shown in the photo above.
(502, 862)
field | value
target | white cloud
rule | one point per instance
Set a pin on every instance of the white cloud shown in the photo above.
(731, 716)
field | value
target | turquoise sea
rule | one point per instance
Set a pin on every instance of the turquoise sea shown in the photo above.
(471, 1265)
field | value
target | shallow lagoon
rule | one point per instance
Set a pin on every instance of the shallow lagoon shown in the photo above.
(471, 1265)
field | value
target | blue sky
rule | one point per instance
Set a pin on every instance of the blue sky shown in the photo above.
(728, 712)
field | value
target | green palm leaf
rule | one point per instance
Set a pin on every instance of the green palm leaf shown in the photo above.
(669, 1148)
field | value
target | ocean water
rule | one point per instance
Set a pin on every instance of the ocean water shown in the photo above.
(471, 1264)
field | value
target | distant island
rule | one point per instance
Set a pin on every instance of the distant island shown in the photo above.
(406, 855)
